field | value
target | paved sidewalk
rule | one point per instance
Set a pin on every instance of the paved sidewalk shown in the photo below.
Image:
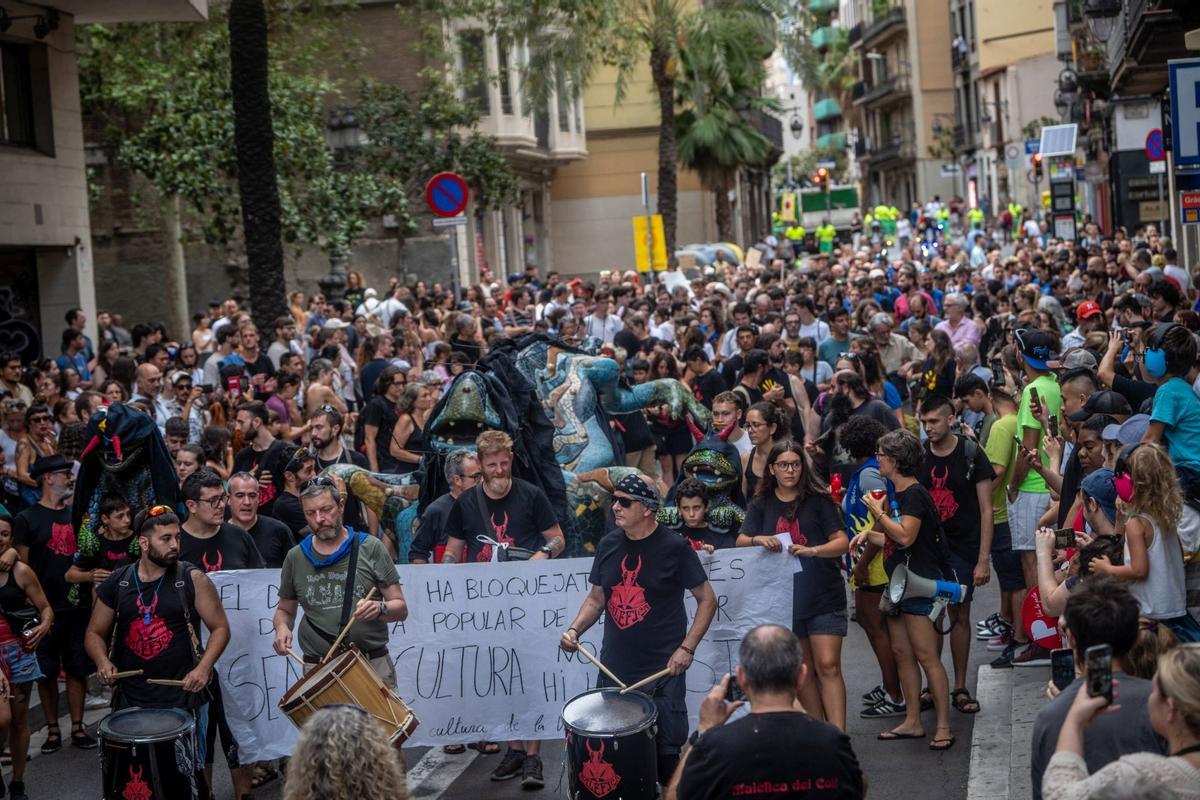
(1001, 743)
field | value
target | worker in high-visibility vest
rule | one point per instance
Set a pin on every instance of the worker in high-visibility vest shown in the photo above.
(975, 216)
(795, 233)
(826, 233)
(1017, 211)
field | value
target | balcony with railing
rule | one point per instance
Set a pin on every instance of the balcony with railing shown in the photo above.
(899, 145)
(1145, 35)
(832, 141)
(858, 91)
(823, 38)
(771, 127)
(889, 89)
(889, 23)
(855, 35)
(826, 109)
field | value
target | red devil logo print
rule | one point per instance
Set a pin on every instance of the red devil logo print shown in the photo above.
(211, 567)
(627, 604)
(792, 528)
(597, 775)
(148, 638)
(136, 788)
(499, 533)
(62, 539)
(943, 498)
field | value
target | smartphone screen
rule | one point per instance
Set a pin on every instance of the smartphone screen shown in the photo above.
(1098, 660)
(1054, 427)
(1062, 668)
(1033, 396)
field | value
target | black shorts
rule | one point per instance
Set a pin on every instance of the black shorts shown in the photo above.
(669, 696)
(61, 650)
(1005, 560)
(218, 724)
(964, 573)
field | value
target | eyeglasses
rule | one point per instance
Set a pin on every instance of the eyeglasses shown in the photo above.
(40, 418)
(474, 476)
(753, 426)
(788, 466)
(216, 501)
(624, 502)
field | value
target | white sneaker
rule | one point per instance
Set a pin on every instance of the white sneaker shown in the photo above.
(96, 701)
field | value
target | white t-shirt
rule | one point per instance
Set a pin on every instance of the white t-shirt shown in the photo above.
(603, 329)
(818, 330)
(743, 444)
(9, 446)
(388, 309)
(1180, 274)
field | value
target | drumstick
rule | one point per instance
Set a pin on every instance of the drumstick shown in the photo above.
(346, 629)
(604, 669)
(662, 673)
(296, 656)
(164, 682)
(129, 673)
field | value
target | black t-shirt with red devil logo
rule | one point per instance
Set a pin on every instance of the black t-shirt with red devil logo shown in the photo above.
(151, 633)
(229, 548)
(517, 519)
(644, 582)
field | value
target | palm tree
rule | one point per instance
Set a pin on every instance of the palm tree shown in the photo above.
(719, 82)
(254, 139)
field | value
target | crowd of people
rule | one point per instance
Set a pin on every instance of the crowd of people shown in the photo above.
(952, 403)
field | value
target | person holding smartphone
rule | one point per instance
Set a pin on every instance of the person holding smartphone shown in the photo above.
(1028, 494)
(1174, 712)
(1101, 611)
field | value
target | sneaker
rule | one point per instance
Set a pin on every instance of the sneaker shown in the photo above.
(884, 708)
(16, 790)
(1005, 659)
(874, 696)
(992, 627)
(531, 777)
(999, 643)
(97, 700)
(510, 766)
(1032, 656)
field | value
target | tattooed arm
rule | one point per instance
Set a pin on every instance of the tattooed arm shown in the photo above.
(555, 543)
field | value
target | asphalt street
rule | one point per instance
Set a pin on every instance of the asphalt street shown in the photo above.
(901, 770)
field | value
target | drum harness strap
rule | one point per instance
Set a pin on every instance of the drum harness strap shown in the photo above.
(181, 568)
(347, 607)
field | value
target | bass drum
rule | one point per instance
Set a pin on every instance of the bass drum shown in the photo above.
(148, 754)
(610, 745)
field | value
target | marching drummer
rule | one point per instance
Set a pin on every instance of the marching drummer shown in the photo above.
(329, 575)
(157, 604)
(638, 578)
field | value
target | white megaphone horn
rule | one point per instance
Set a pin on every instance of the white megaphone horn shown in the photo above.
(905, 584)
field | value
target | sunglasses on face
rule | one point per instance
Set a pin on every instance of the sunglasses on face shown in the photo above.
(39, 418)
(624, 502)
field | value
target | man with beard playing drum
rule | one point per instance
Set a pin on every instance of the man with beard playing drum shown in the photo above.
(638, 579)
(156, 605)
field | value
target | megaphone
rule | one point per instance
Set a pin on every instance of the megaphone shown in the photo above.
(905, 584)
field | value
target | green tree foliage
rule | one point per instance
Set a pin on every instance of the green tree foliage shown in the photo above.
(719, 80)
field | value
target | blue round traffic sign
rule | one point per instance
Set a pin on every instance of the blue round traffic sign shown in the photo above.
(446, 194)
(1155, 150)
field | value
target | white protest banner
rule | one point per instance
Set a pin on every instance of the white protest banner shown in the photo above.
(478, 657)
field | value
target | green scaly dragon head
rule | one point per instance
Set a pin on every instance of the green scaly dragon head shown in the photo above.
(468, 411)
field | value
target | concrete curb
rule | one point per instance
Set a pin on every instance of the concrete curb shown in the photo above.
(991, 738)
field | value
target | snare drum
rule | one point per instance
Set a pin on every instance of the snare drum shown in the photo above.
(610, 745)
(148, 754)
(347, 679)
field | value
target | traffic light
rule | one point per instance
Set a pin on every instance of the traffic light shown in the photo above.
(1037, 166)
(821, 179)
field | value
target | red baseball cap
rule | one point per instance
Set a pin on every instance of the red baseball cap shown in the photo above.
(1086, 309)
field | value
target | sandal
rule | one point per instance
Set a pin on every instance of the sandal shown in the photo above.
(963, 702)
(894, 736)
(485, 748)
(54, 739)
(942, 744)
(80, 737)
(263, 774)
(454, 749)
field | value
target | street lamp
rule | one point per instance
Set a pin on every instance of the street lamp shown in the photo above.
(797, 127)
(1101, 16)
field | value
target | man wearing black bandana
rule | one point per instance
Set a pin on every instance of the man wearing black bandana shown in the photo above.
(639, 577)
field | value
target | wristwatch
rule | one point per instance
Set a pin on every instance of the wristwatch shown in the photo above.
(383, 608)
(546, 549)
(692, 739)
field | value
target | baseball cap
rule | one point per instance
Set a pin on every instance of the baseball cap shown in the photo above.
(1105, 402)
(1099, 486)
(335, 323)
(1036, 347)
(179, 375)
(1076, 358)
(876, 273)
(1088, 308)
(1128, 432)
